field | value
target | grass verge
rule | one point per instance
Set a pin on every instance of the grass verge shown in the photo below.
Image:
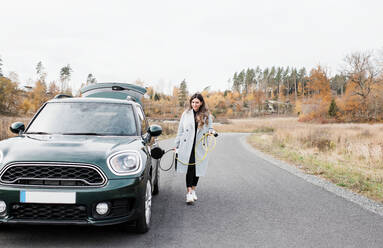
(344, 172)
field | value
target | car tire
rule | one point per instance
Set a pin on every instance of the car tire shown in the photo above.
(143, 221)
(156, 186)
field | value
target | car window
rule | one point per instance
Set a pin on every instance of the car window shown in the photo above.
(141, 117)
(85, 118)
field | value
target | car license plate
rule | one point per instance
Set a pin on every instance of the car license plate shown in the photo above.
(47, 197)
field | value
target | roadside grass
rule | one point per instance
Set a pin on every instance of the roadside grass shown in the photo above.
(349, 155)
(169, 130)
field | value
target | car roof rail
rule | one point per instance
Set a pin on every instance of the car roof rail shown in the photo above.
(59, 96)
(129, 98)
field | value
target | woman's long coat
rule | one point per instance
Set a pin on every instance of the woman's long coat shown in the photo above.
(184, 143)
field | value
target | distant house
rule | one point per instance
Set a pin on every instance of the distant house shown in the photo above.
(272, 106)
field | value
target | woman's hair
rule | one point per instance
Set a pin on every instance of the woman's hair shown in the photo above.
(202, 115)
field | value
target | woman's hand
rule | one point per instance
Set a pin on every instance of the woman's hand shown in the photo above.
(213, 132)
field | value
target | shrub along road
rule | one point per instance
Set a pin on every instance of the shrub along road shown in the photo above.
(245, 201)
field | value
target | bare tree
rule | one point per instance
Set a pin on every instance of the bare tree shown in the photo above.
(40, 71)
(362, 73)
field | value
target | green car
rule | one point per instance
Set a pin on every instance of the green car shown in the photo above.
(90, 160)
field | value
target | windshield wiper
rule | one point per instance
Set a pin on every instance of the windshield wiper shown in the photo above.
(37, 133)
(95, 134)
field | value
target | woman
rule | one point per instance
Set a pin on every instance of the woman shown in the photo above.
(192, 158)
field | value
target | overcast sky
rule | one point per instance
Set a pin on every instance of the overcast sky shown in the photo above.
(164, 42)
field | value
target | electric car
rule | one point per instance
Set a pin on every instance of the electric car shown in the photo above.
(86, 160)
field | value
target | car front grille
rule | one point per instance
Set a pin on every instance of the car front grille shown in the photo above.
(46, 174)
(32, 211)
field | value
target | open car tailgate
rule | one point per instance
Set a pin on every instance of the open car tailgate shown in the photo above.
(114, 90)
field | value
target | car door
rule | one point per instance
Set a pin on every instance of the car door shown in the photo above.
(144, 129)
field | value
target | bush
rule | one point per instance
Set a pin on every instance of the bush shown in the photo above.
(263, 130)
(320, 139)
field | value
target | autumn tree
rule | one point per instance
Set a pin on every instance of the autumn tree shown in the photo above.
(362, 76)
(319, 95)
(150, 92)
(38, 95)
(9, 96)
(53, 89)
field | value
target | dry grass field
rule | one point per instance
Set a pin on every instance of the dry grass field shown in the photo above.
(350, 155)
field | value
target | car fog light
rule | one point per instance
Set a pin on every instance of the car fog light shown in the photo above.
(102, 208)
(3, 207)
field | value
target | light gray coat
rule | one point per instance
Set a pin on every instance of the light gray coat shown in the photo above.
(184, 143)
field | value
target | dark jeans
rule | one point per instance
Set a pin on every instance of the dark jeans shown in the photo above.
(191, 178)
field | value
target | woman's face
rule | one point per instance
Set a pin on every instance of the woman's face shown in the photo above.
(196, 103)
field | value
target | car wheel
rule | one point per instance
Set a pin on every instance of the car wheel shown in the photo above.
(156, 186)
(143, 222)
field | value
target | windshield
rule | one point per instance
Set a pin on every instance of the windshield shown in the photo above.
(88, 118)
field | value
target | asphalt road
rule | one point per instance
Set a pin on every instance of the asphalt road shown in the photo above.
(244, 201)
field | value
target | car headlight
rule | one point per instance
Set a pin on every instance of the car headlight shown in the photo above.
(1, 156)
(125, 163)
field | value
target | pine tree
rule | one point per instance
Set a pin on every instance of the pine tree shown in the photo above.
(183, 94)
(65, 74)
(40, 72)
(333, 109)
(236, 84)
(90, 79)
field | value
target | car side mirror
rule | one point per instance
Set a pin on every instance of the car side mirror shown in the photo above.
(17, 127)
(155, 130)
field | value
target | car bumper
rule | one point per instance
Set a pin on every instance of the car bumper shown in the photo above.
(123, 196)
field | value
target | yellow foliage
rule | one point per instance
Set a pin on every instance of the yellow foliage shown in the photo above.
(9, 95)
(25, 107)
(319, 96)
(53, 89)
(175, 92)
(298, 107)
(38, 95)
(229, 113)
(213, 100)
(150, 92)
(250, 97)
